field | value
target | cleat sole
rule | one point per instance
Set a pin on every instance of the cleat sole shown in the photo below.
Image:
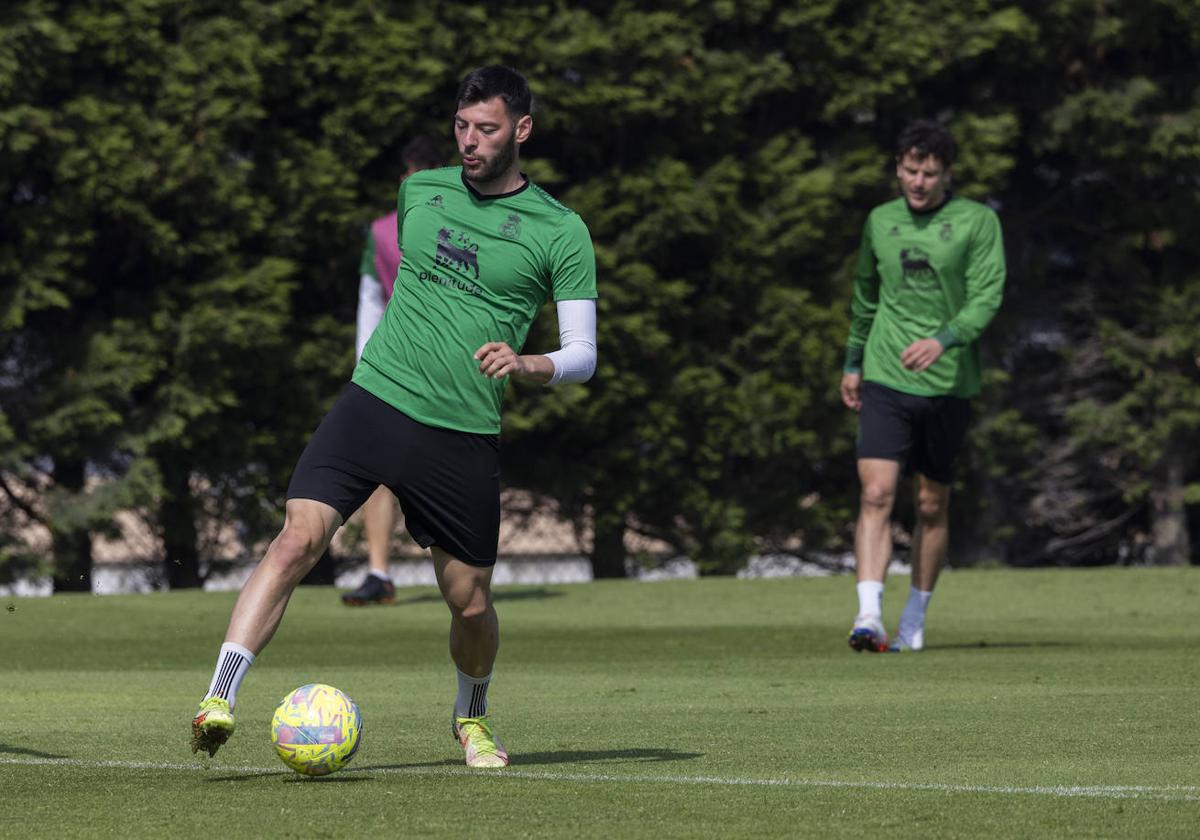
(863, 639)
(366, 602)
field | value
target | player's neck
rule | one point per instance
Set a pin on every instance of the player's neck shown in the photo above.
(932, 208)
(510, 181)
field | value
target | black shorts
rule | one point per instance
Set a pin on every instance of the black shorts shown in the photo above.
(448, 482)
(924, 434)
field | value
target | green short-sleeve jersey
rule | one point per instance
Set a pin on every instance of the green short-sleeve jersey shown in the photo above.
(476, 269)
(938, 275)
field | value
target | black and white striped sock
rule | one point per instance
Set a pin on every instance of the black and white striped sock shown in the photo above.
(472, 695)
(232, 664)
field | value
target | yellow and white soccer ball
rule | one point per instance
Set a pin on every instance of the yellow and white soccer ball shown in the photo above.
(316, 729)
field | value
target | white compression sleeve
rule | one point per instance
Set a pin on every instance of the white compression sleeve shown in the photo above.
(575, 361)
(371, 304)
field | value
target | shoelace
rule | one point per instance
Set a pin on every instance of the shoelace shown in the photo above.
(475, 727)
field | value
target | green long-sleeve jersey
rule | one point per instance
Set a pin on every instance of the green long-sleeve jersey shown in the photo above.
(938, 274)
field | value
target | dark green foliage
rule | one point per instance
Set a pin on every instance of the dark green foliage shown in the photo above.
(184, 189)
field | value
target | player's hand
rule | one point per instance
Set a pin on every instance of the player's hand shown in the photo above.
(497, 360)
(921, 354)
(851, 390)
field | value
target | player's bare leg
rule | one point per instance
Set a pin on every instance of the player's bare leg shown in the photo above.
(474, 642)
(307, 529)
(474, 626)
(878, 478)
(930, 540)
(379, 522)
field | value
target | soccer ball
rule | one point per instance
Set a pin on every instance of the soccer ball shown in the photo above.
(316, 729)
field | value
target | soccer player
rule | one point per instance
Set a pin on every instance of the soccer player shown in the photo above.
(930, 277)
(484, 247)
(380, 262)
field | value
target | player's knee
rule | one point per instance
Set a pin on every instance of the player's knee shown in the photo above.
(931, 509)
(877, 498)
(297, 547)
(471, 607)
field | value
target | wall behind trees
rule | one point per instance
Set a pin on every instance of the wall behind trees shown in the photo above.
(184, 189)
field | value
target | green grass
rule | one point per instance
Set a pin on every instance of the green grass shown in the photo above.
(1048, 704)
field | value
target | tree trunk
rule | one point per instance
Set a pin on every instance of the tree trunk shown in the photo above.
(608, 546)
(177, 523)
(1171, 540)
(71, 544)
(974, 523)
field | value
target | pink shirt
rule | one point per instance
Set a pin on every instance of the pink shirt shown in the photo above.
(387, 252)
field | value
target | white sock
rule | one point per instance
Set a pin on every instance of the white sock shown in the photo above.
(232, 664)
(912, 620)
(870, 597)
(472, 695)
(383, 576)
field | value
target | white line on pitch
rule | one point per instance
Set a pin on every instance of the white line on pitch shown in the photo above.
(1168, 793)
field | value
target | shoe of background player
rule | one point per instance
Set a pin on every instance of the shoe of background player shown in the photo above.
(905, 641)
(868, 634)
(212, 725)
(482, 747)
(374, 590)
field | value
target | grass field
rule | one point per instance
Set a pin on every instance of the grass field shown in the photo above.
(1048, 704)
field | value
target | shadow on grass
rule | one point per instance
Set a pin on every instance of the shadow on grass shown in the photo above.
(501, 595)
(627, 756)
(355, 774)
(983, 645)
(9, 749)
(289, 778)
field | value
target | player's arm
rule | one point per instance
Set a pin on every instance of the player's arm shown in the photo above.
(984, 281)
(864, 303)
(371, 299)
(984, 287)
(574, 361)
(372, 294)
(573, 267)
(371, 304)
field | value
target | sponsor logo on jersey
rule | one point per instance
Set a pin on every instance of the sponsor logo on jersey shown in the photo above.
(457, 252)
(450, 282)
(946, 231)
(511, 229)
(914, 264)
(895, 231)
(436, 201)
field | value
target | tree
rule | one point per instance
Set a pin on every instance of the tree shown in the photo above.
(1109, 204)
(186, 187)
(744, 154)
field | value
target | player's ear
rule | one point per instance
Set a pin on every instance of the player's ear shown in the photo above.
(524, 128)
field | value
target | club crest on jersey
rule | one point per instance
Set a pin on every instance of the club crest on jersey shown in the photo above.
(457, 252)
(511, 229)
(946, 232)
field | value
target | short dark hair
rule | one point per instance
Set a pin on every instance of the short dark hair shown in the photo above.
(423, 152)
(927, 138)
(495, 80)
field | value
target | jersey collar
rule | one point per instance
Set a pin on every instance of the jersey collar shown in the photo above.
(931, 210)
(483, 197)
